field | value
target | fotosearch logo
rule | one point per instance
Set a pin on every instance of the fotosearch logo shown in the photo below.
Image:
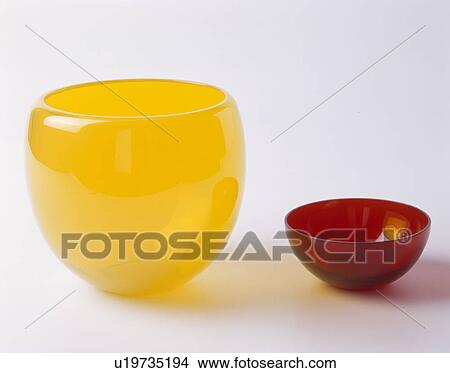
(330, 246)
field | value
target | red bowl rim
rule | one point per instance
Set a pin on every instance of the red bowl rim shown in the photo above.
(427, 226)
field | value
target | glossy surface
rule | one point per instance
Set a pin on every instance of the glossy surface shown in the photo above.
(358, 243)
(135, 156)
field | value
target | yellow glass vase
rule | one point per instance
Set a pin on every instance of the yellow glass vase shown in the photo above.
(128, 159)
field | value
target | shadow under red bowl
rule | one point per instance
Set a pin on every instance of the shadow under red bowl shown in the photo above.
(358, 243)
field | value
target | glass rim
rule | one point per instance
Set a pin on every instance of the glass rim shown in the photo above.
(409, 236)
(42, 103)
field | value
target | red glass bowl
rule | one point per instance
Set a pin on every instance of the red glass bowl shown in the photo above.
(358, 243)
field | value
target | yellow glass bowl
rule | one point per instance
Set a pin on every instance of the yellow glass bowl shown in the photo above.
(140, 155)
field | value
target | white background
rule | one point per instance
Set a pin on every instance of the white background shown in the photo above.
(385, 135)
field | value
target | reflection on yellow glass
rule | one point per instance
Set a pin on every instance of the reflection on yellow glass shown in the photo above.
(135, 156)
